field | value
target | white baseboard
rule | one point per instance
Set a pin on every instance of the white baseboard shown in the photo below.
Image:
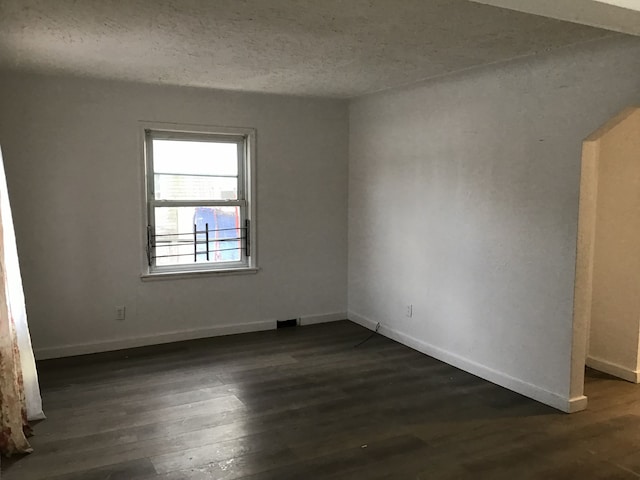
(363, 321)
(325, 318)
(142, 341)
(577, 404)
(535, 392)
(614, 369)
(175, 336)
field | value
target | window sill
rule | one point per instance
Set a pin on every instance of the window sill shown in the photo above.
(152, 277)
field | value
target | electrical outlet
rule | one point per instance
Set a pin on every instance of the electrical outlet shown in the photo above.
(120, 312)
(409, 311)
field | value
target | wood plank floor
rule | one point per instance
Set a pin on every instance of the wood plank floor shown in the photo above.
(304, 403)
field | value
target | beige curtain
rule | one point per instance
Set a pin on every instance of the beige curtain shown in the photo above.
(19, 392)
(13, 404)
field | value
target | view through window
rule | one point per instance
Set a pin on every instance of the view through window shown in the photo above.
(197, 201)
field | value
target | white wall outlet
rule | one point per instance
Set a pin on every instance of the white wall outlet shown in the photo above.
(409, 311)
(120, 312)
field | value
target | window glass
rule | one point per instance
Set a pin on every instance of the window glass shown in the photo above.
(189, 170)
(181, 236)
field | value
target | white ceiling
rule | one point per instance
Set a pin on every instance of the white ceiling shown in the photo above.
(338, 48)
(617, 15)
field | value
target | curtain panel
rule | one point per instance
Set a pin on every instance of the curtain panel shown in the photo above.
(19, 391)
(13, 405)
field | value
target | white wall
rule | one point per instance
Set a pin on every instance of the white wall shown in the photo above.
(611, 224)
(72, 157)
(463, 201)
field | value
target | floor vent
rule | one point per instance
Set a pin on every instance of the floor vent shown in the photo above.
(287, 323)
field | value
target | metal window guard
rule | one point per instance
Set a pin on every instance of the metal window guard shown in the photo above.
(199, 237)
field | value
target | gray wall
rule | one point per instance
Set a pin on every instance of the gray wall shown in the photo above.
(463, 201)
(71, 148)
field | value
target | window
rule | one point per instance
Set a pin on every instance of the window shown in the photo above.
(199, 200)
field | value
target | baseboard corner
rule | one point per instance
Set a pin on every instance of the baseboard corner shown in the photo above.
(362, 321)
(614, 369)
(577, 404)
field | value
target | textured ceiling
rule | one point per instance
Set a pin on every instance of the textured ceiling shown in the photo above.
(339, 48)
(617, 15)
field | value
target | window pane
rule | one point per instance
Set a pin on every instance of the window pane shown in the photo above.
(192, 170)
(184, 187)
(176, 242)
(195, 157)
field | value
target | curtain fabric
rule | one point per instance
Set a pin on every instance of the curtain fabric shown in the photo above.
(19, 392)
(13, 405)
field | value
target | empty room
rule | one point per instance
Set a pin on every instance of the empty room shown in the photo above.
(341, 239)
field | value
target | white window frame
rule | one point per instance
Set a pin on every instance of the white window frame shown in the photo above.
(246, 139)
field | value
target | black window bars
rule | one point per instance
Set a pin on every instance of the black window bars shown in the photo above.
(206, 238)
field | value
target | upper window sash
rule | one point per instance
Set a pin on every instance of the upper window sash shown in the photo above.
(240, 141)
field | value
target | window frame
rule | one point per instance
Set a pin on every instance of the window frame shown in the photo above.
(246, 140)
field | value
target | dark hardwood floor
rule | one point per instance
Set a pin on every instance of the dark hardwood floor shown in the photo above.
(303, 403)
